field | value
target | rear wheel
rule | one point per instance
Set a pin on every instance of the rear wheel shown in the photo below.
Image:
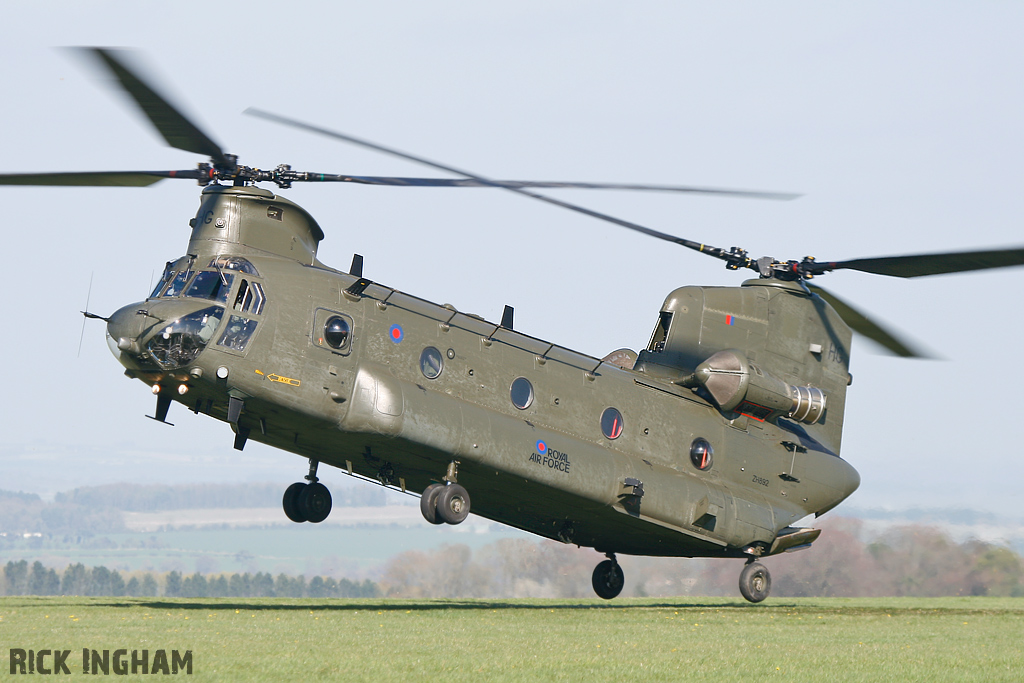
(755, 582)
(428, 503)
(608, 579)
(453, 504)
(290, 502)
(315, 502)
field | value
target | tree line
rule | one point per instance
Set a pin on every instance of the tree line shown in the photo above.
(904, 561)
(908, 560)
(20, 578)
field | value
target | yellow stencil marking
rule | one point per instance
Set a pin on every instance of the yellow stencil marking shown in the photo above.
(284, 380)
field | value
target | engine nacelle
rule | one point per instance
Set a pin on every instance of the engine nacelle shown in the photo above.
(737, 385)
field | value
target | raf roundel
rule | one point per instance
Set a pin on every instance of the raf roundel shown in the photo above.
(542, 447)
(396, 333)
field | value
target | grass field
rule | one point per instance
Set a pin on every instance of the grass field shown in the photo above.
(713, 639)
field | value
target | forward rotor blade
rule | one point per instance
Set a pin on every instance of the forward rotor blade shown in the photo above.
(175, 128)
(97, 178)
(470, 182)
(696, 246)
(868, 327)
(85, 315)
(918, 265)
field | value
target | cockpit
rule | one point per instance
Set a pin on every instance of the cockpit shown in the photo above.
(180, 342)
(213, 285)
(183, 330)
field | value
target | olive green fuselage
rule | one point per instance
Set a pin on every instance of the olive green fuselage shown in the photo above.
(372, 406)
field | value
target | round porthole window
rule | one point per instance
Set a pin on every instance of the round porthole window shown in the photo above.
(336, 331)
(701, 454)
(521, 393)
(611, 423)
(431, 362)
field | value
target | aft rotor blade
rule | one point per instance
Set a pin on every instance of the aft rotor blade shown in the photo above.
(97, 178)
(696, 246)
(861, 323)
(919, 265)
(175, 128)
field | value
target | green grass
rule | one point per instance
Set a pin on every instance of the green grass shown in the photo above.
(712, 639)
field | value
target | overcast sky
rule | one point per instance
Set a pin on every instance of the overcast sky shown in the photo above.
(900, 123)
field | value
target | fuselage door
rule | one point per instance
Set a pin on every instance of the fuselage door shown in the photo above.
(333, 333)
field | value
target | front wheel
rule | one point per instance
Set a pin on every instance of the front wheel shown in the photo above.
(755, 582)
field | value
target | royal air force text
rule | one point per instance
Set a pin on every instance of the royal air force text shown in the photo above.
(552, 459)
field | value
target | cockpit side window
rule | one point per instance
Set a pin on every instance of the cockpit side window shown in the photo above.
(660, 332)
(243, 295)
(237, 333)
(212, 285)
(258, 299)
(250, 298)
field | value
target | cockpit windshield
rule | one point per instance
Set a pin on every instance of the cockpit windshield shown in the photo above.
(163, 281)
(234, 263)
(212, 285)
(178, 283)
(179, 342)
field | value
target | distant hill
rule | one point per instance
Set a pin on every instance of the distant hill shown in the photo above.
(156, 497)
(94, 510)
(927, 515)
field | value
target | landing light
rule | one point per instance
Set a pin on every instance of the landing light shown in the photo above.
(182, 389)
(156, 388)
(222, 372)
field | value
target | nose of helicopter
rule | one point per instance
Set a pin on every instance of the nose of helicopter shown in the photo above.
(124, 328)
(162, 335)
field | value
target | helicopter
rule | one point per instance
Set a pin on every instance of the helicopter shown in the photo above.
(713, 441)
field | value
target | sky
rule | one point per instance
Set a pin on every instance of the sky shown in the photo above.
(900, 124)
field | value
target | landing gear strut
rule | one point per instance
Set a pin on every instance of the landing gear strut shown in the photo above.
(446, 503)
(608, 578)
(307, 502)
(755, 581)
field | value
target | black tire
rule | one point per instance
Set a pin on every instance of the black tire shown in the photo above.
(315, 502)
(608, 579)
(290, 503)
(755, 582)
(453, 504)
(428, 503)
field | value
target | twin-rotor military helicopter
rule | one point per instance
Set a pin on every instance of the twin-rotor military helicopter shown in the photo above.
(711, 442)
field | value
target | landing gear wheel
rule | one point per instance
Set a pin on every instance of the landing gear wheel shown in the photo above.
(315, 502)
(755, 582)
(290, 503)
(608, 579)
(428, 503)
(453, 504)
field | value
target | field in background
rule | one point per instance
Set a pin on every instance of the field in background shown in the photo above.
(906, 639)
(223, 528)
(337, 550)
(378, 534)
